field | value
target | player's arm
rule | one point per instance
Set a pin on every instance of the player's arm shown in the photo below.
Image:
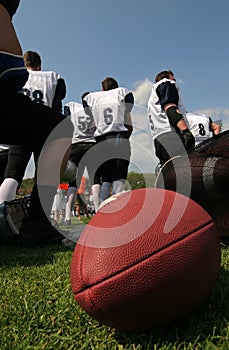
(87, 109)
(128, 124)
(60, 94)
(169, 99)
(129, 102)
(176, 119)
(67, 111)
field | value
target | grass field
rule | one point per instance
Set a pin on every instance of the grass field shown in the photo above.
(38, 310)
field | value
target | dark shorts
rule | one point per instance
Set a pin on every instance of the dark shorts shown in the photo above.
(167, 146)
(78, 152)
(113, 157)
(26, 122)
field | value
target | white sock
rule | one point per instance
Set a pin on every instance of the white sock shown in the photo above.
(95, 190)
(8, 190)
(71, 196)
(105, 190)
(118, 186)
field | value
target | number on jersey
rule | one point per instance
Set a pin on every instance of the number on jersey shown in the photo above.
(202, 131)
(36, 95)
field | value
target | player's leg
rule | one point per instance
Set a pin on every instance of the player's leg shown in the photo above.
(37, 229)
(93, 174)
(121, 163)
(106, 158)
(78, 206)
(167, 146)
(3, 163)
(18, 159)
(84, 205)
(106, 176)
(76, 154)
(71, 196)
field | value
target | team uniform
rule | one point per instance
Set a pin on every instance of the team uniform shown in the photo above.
(108, 109)
(45, 88)
(16, 109)
(200, 126)
(82, 141)
(41, 89)
(167, 138)
(19, 113)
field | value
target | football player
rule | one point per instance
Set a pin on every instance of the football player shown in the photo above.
(202, 127)
(166, 114)
(82, 142)
(44, 88)
(111, 111)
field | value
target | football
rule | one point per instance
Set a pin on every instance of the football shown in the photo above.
(69, 173)
(217, 146)
(147, 259)
(205, 179)
(221, 218)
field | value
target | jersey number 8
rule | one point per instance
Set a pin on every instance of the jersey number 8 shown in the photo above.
(36, 95)
(202, 132)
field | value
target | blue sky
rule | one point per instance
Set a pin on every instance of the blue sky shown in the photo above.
(132, 41)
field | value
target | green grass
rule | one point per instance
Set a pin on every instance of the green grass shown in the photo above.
(38, 310)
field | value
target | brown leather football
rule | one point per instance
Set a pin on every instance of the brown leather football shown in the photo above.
(204, 178)
(148, 259)
(217, 146)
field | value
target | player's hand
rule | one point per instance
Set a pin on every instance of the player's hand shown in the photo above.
(189, 140)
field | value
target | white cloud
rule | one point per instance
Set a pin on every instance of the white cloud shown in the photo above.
(143, 158)
(142, 90)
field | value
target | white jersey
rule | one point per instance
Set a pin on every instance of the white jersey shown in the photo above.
(41, 86)
(108, 109)
(159, 122)
(199, 125)
(84, 126)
